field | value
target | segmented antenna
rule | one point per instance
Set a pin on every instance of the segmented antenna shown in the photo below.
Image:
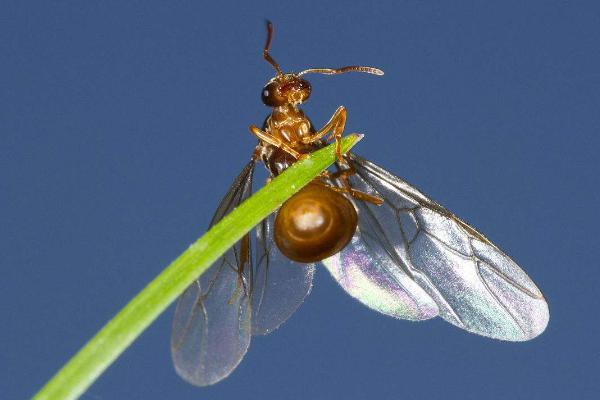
(325, 71)
(350, 68)
(266, 54)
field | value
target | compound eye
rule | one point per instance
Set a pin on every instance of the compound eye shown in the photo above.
(271, 95)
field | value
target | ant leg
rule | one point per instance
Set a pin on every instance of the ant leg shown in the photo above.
(347, 188)
(335, 125)
(358, 195)
(265, 137)
(337, 121)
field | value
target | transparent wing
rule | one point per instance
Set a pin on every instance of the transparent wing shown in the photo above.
(370, 274)
(474, 284)
(212, 323)
(279, 284)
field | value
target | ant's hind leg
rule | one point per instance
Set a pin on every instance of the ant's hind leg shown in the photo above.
(342, 177)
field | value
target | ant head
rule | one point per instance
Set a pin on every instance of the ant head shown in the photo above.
(286, 89)
(292, 88)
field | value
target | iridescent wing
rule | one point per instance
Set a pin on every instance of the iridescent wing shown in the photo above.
(370, 273)
(279, 284)
(412, 241)
(212, 323)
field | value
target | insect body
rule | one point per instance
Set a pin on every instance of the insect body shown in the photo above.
(385, 242)
(319, 221)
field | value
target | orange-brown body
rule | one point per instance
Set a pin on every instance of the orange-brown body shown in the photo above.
(288, 124)
(319, 220)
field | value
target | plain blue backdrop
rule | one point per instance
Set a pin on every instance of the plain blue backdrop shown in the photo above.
(122, 125)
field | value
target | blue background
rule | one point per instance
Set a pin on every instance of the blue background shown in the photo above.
(122, 125)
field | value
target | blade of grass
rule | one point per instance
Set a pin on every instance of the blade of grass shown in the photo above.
(87, 365)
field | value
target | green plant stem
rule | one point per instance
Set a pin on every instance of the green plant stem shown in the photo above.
(87, 365)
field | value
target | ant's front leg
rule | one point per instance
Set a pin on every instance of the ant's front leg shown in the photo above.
(335, 125)
(277, 142)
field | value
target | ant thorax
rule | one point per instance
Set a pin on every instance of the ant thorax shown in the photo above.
(289, 123)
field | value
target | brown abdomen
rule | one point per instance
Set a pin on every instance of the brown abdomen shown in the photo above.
(314, 224)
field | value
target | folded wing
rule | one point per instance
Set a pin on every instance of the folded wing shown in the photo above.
(212, 323)
(279, 284)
